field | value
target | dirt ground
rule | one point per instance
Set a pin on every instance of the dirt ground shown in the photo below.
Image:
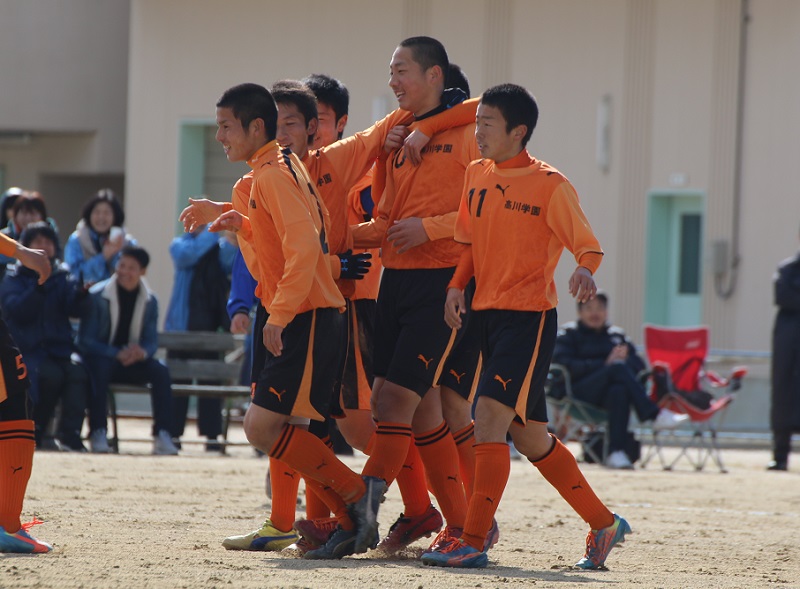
(138, 521)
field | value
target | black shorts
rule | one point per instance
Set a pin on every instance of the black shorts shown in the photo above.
(356, 389)
(300, 380)
(412, 340)
(462, 368)
(14, 382)
(516, 349)
(259, 356)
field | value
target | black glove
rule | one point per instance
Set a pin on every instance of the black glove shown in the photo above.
(354, 266)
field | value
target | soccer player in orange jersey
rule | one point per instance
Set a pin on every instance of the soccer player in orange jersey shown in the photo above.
(517, 214)
(414, 227)
(289, 227)
(16, 424)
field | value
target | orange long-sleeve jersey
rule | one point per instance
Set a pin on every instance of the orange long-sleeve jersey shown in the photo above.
(289, 227)
(8, 247)
(519, 216)
(366, 288)
(337, 167)
(240, 202)
(431, 191)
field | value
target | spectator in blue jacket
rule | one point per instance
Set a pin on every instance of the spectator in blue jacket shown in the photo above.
(118, 338)
(38, 317)
(200, 289)
(93, 249)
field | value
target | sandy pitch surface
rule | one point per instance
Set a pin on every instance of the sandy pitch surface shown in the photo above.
(139, 521)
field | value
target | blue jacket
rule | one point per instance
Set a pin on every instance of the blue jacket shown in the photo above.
(101, 316)
(243, 288)
(186, 250)
(90, 267)
(38, 316)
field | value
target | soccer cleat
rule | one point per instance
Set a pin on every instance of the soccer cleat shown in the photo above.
(492, 537)
(299, 548)
(406, 530)
(268, 538)
(316, 531)
(22, 542)
(341, 544)
(445, 537)
(600, 542)
(364, 513)
(456, 554)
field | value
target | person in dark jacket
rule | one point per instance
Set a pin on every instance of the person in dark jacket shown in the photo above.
(38, 317)
(786, 362)
(603, 365)
(118, 337)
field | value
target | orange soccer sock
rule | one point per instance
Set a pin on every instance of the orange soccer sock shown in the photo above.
(16, 462)
(284, 480)
(315, 506)
(561, 470)
(388, 452)
(332, 501)
(412, 484)
(309, 455)
(465, 441)
(492, 467)
(440, 457)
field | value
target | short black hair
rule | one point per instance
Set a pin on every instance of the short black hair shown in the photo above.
(517, 105)
(30, 202)
(296, 93)
(330, 91)
(249, 102)
(39, 229)
(600, 295)
(7, 201)
(428, 52)
(456, 78)
(138, 253)
(107, 196)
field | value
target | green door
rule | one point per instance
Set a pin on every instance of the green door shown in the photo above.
(674, 259)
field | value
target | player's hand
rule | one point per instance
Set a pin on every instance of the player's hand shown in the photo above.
(125, 356)
(414, 144)
(200, 212)
(272, 339)
(354, 266)
(619, 353)
(227, 221)
(581, 285)
(395, 138)
(240, 323)
(407, 233)
(36, 260)
(454, 308)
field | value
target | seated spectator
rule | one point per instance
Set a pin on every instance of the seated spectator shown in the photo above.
(202, 263)
(7, 201)
(38, 317)
(603, 365)
(93, 249)
(28, 208)
(118, 338)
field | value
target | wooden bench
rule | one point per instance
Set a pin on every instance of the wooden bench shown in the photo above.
(224, 370)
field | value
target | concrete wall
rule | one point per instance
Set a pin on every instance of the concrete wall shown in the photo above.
(669, 69)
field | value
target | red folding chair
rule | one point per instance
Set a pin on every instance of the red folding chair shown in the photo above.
(677, 377)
